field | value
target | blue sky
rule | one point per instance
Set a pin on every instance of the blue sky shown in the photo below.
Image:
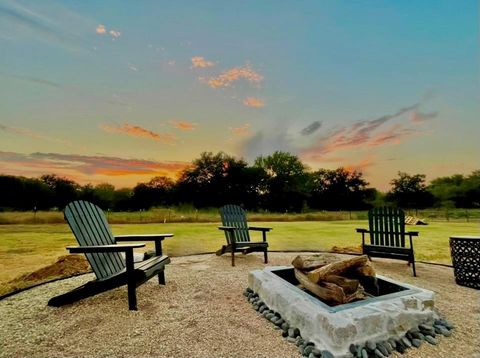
(122, 91)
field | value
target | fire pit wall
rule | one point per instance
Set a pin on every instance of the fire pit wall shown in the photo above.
(335, 328)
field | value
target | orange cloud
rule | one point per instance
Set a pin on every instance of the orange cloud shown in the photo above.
(226, 78)
(394, 134)
(241, 131)
(363, 134)
(254, 102)
(82, 166)
(100, 29)
(418, 117)
(136, 131)
(361, 166)
(199, 61)
(183, 125)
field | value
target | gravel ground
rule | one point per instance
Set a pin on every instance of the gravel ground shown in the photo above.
(201, 312)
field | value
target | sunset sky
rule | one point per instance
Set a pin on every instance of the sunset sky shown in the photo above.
(121, 91)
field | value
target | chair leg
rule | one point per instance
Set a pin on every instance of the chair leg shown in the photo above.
(413, 267)
(161, 278)
(233, 258)
(265, 256)
(132, 296)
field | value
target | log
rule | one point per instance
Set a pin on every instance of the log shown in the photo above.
(359, 294)
(349, 286)
(336, 268)
(365, 270)
(328, 292)
(311, 262)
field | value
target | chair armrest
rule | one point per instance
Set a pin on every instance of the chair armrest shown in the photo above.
(227, 228)
(256, 228)
(363, 231)
(142, 237)
(103, 248)
(412, 233)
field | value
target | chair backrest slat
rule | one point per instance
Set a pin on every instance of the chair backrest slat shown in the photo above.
(233, 215)
(387, 226)
(90, 227)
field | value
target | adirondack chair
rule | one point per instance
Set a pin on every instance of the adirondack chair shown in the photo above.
(387, 235)
(234, 221)
(113, 264)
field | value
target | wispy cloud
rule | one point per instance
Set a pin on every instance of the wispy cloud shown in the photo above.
(115, 34)
(102, 30)
(183, 125)
(66, 88)
(362, 165)
(226, 78)
(362, 134)
(40, 163)
(254, 102)
(137, 131)
(241, 131)
(311, 128)
(132, 67)
(419, 117)
(66, 28)
(25, 132)
(201, 62)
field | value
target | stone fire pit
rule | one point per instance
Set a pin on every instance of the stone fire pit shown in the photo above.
(397, 309)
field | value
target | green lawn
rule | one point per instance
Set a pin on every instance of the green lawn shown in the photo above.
(25, 248)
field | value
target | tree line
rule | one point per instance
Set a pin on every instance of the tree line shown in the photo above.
(279, 182)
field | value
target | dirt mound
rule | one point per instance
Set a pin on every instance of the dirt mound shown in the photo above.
(347, 250)
(65, 266)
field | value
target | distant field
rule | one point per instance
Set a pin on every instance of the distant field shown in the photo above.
(191, 215)
(26, 248)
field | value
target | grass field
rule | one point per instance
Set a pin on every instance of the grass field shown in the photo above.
(26, 248)
(188, 214)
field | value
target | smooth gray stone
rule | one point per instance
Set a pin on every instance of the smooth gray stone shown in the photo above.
(392, 343)
(370, 345)
(291, 339)
(308, 350)
(447, 324)
(425, 327)
(285, 326)
(382, 349)
(353, 349)
(431, 340)
(300, 342)
(316, 351)
(445, 332)
(279, 322)
(388, 346)
(296, 331)
(416, 342)
(378, 354)
(406, 342)
(364, 353)
(311, 355)
(269, 315)
(291, 333)
(327, 354)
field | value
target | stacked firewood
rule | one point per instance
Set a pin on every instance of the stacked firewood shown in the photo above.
(334, 281)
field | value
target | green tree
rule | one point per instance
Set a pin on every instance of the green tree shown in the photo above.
(64, 190)
(217, 179)
(284, 181)
(339, 189)
(409, 191)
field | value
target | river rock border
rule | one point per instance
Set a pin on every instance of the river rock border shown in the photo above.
(414, 338)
